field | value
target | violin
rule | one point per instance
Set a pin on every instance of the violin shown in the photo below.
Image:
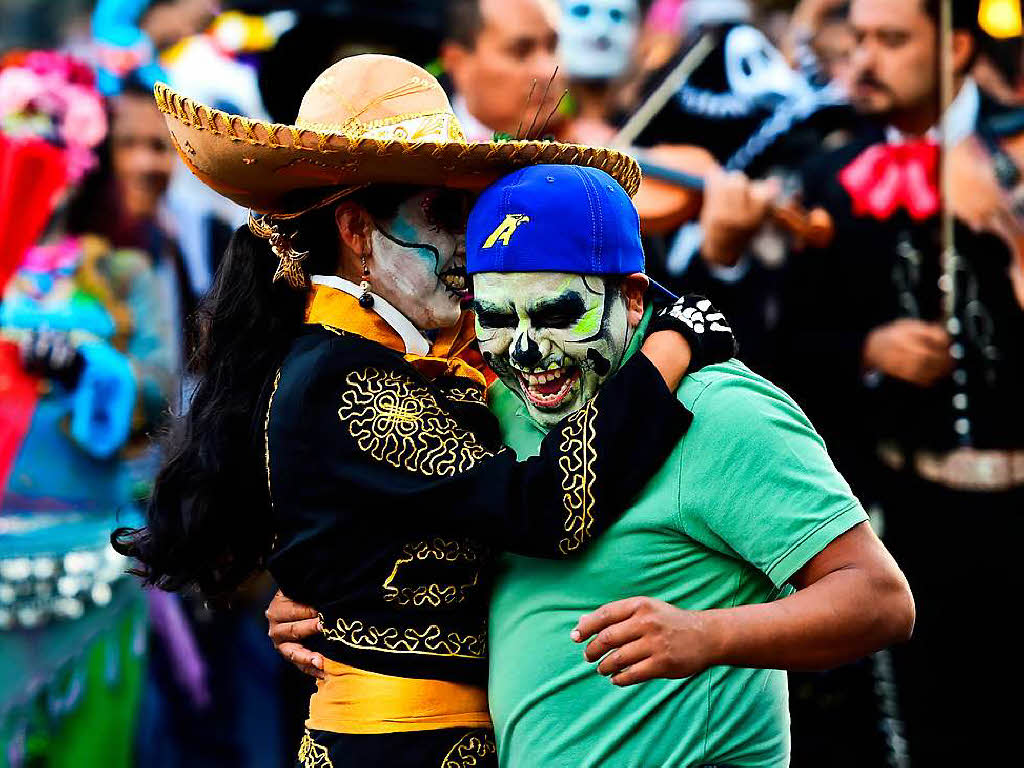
(986, 187)
(671, 194)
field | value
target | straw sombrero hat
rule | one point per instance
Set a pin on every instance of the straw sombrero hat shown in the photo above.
(366, 119)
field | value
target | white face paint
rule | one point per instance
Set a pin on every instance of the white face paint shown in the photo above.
(552, 337)
(597, 37)
(755, 68)
(419, 258)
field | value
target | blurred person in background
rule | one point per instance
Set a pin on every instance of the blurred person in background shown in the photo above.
(598, 45)
(920, 408)
(87, 371)
(193, 712)
(126, 200)
(129, 36)
(502, 56)
(819, 40)
(741, 109)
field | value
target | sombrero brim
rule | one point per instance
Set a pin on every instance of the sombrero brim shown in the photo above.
(283, 169)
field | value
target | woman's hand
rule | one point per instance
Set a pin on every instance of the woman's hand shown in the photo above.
(290, 623)
(641, 638)
(708, 338)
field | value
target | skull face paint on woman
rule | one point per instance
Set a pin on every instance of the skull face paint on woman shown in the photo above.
(419, 258)
(552, 337)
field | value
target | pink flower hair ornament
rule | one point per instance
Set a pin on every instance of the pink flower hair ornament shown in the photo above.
(52, 96)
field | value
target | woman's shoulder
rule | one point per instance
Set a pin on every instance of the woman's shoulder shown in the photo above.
(321, 358)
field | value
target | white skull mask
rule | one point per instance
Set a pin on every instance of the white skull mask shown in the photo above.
(553, 338)
(755, 68)
(597, 37)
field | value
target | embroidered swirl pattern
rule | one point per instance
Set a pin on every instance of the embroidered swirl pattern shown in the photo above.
(577, 465)
(470, 750)
(466, 395)
(313, 755)
(432, 641)
(434, 595)
(397, 421)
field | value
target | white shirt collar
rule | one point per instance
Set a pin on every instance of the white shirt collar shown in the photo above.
(473, 128)
(959, 120)
(415, 342)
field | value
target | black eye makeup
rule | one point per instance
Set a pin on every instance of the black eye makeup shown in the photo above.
(446, 210)
(491, 317)
(558, 313)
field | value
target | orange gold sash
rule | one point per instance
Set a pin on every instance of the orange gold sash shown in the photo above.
(351, 700)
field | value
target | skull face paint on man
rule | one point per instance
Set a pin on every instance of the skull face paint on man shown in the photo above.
(552, 337)
(419, 258)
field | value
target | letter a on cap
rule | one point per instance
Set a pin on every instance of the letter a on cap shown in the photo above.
(504, 230)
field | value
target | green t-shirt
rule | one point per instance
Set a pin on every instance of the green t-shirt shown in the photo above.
(745, 500)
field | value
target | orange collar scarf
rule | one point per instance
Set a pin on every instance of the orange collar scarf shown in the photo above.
(453, 353)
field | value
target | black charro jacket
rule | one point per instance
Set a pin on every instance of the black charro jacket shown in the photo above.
(391, 490)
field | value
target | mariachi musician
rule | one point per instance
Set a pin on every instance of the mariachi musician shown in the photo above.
(917, 377)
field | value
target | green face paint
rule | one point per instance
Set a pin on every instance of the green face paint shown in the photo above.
(552, 338)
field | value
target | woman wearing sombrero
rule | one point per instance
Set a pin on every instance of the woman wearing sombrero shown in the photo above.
(339, 436)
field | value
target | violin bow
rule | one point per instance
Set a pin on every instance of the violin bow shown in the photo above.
(660, 96)
(950, 257)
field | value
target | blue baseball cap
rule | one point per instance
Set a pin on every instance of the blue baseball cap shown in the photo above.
(555, 218)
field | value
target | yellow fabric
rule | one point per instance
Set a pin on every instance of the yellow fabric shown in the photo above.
(351, 700)
(336, 309)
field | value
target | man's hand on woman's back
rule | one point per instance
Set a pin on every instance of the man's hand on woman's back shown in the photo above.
(290, 624)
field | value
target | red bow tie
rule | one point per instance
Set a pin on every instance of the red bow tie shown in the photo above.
(885, 177)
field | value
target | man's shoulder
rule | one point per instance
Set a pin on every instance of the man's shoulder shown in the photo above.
(726, 384)
(737, 410)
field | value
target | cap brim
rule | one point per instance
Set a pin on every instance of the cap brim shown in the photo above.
(658, 291)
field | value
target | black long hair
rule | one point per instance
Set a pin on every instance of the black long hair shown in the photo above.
(208, 522)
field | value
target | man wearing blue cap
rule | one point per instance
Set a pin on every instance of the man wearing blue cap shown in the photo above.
(747, 507)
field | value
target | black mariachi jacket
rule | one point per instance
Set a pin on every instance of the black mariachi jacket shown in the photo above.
(874, 272)
(390, 492)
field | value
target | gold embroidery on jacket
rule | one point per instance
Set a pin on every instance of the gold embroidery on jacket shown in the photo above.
(577, 465)
(470, 749)
(313, 755)
(434, 595)
(398, 421)
(432, 641)
(466, 395)
(266, 432)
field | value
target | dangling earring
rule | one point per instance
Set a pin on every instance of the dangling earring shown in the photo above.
(365, 298)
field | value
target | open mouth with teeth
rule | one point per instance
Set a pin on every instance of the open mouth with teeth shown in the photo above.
(456, 281)
(549, 389)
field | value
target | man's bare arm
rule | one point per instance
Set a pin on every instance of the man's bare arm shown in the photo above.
(852, 599)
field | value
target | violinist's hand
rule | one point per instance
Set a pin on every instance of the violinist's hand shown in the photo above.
(734, 209)
(290, 624)
(911, 350)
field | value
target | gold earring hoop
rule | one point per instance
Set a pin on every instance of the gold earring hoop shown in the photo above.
(289, 261)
